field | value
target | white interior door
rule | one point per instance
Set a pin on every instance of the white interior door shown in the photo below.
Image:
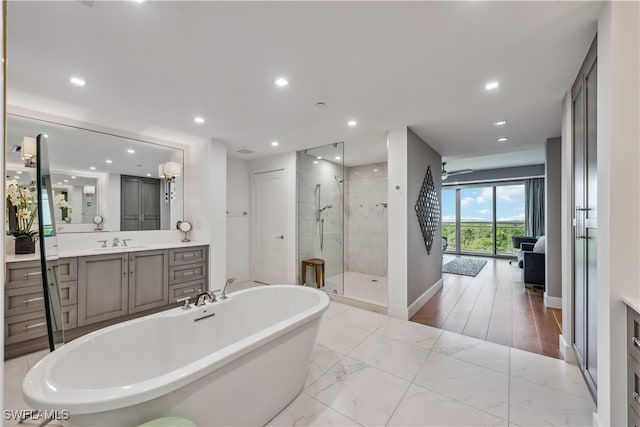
(269, 227)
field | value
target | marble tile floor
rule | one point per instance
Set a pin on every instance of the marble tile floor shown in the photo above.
(372, 370)
(360, 286)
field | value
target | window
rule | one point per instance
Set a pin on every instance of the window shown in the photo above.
(481, 219)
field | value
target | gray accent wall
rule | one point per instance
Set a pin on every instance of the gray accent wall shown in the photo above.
(553, 217)
(423, 270)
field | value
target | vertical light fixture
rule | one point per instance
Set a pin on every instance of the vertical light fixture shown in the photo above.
(169, 171)
(28, 151)
(89, 191)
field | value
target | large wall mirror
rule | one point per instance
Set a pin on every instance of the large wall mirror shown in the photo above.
(99, 175)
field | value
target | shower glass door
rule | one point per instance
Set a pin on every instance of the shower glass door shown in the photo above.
(320, 187)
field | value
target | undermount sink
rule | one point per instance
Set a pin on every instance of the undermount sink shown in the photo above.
(119, 248)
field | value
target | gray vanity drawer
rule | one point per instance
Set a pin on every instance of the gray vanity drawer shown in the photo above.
(24, 327)
(633, 331)
(26, 299)
(70, 317)
(634, 384)
(68, 269)
(188, 255)
(187, 273)
(189, 289)
(26, 273)
(634, 420)
(68, 293)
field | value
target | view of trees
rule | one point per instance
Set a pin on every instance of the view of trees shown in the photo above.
(478, 236)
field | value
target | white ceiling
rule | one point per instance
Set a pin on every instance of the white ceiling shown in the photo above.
(153, 66)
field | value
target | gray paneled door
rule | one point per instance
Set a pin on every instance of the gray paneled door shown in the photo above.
(140, 203)
(585, 219)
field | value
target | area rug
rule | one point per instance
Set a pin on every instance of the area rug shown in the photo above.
(464, 266)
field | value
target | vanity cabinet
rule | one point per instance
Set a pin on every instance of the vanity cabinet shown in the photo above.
(102, 287)
(99, 290)
(633, 367)
(148, 280)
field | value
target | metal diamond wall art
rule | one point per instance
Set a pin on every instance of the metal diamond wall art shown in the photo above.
(428, 210)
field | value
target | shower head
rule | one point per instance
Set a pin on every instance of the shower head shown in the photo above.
(337, 178)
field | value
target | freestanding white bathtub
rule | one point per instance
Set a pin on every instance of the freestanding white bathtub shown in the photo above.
(243, 362)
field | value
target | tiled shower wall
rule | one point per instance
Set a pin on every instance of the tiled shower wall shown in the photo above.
(367, 219)
(309, 176)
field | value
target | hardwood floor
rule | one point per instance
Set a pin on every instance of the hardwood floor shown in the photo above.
(494, 306)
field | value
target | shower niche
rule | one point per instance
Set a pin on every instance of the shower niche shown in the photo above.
(320, 187)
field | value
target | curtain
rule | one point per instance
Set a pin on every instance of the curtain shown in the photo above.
(534, 206)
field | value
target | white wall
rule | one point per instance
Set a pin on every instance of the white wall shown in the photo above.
(414, 276)
(286, 162)
(238, 225)
(618, 198)
(553, 222)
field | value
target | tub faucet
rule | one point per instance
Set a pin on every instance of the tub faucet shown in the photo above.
(202, 298)
(224, 290)
(115, 242)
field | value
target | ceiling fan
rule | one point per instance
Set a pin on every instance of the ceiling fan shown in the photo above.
(446, 174)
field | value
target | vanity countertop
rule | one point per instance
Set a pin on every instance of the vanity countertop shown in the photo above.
(633, 303)
(77, 252)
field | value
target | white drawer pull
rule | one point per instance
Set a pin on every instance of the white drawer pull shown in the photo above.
(635, 341)
(33, 273)
(35, 325)
(29, 300)
(636, 397)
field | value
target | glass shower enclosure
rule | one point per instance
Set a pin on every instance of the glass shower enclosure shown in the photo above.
(320, 198)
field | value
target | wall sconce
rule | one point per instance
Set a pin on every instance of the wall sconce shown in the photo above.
(89, 191)
(28, 151)
(169, 171)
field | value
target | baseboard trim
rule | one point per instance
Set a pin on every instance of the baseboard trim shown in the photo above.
(566, 350)
(553, 302)
(422, 299)
(406, 313)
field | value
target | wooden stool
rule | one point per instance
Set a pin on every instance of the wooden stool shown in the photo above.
(316, 263)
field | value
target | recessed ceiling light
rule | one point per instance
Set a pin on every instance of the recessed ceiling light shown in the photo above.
(352, 123)
(73, 177)
(109, 161)
(66, 180)
(92, 168)
(338, 157)
(319, 157)
(131, 151)
(281, 81)
(78, 81)
(315, 162)
(275, 143)
(199, 120)
(503, 139)
(148, 174)
(492, 85)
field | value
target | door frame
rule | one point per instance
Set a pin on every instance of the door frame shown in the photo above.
(290, 233)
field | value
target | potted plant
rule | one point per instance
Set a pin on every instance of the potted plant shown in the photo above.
(24, 200)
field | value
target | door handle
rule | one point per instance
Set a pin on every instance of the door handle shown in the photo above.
(280, 237)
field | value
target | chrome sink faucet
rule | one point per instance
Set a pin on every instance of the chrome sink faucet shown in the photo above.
(115, 242)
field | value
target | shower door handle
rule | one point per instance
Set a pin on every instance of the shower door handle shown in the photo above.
(280, 237)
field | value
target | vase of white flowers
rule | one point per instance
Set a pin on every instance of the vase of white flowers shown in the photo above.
(25, 202)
